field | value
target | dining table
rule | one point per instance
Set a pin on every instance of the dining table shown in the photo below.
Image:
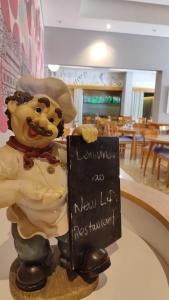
(155, 140)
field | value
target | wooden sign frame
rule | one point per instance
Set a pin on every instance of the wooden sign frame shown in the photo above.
(93, 195)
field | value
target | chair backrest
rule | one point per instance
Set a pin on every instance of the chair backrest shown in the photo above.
(114, 129)
(124, 119)
(106, 127)
(149, 132)
(103, 127)
(87, 119)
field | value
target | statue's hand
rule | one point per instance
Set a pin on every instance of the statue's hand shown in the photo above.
(53, 195)
(88, 133)
(38, 192)
(31, 190)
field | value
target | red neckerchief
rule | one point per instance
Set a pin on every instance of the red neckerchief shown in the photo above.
(31, 153)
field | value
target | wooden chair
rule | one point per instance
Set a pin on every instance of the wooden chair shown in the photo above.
(139, 137)
(87, 120)
(114, 129)
(124, 141)
(103, 126)
(106, 127)
(163, 160)
(147, 133)
(125, 119)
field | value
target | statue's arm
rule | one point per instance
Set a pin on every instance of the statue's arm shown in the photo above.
(13, 188)
(9, 192)
(13, 191)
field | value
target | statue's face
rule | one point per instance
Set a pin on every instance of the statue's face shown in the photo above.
(35, 122)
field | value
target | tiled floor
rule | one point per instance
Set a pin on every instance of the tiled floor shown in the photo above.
(132, 168)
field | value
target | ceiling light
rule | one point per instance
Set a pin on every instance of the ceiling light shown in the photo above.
(108, 26)
(99, 51)
(53, 68)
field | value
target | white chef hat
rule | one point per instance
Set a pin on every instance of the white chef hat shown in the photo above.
(52, 87)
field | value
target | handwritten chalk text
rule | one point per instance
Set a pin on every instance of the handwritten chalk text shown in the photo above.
(103, 199)
(83, 231)
(95, 155)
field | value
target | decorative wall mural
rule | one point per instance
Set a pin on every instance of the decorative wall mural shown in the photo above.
(21, 45)
(88, 77)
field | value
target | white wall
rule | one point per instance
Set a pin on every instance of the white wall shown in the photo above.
(144, 79)
(122, 51)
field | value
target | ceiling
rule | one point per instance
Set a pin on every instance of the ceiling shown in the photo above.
(161, 2)
(145, 17)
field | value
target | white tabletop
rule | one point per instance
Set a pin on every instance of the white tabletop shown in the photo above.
(135, 274)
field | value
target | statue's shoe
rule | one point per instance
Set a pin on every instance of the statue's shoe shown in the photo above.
(30, 278)
(95, 262)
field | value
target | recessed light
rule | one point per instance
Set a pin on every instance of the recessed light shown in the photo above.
(99, 50)
(108, 26)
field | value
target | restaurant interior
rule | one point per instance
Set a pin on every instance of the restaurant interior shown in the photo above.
(99, 95)
(115, 62)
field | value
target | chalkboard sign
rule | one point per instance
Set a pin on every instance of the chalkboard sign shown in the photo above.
(93, 195)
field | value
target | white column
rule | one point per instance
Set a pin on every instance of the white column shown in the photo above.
(78, 101)
(127, 95)
(137, 105)
(159, 111)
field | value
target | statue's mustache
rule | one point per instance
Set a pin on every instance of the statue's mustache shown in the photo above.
(40, 130)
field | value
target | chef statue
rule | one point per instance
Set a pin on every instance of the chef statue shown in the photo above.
(33, 180)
